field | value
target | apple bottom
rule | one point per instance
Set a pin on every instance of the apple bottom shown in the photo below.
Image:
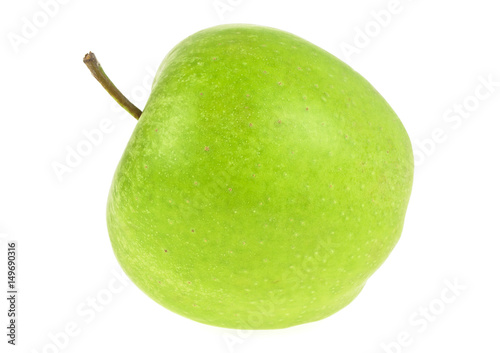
(273, 311)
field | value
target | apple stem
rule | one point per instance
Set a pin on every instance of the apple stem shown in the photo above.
(96, 69)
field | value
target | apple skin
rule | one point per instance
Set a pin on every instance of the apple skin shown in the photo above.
(264, 183)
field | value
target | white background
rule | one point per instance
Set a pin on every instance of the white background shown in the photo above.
(427, 58)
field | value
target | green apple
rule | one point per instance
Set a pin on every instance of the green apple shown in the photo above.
(265, 181)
